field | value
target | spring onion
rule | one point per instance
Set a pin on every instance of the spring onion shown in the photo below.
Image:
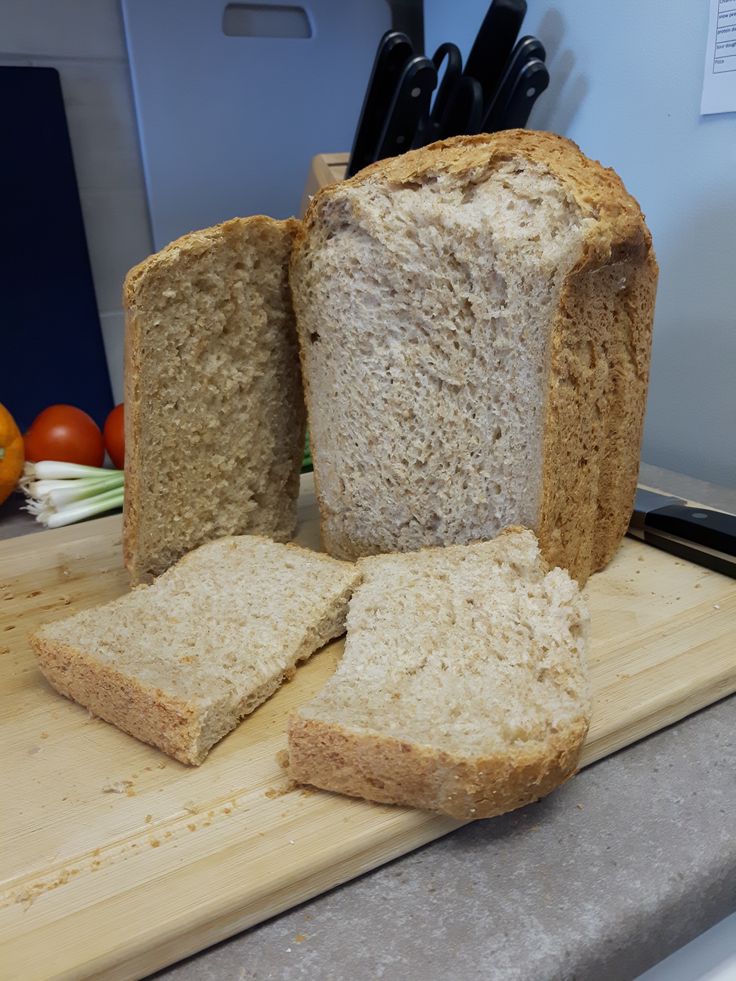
(58, 470)
(62, 493)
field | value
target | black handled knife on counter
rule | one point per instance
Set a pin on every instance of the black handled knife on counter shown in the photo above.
(691, 532)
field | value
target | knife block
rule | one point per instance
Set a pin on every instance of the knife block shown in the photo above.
(325, 169)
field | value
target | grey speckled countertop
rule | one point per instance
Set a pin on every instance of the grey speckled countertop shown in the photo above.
(624, 864)
(627, 862)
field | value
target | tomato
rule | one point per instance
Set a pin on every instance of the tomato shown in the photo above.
(114, 433)
(63, 432)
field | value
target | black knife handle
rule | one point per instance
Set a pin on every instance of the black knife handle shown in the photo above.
(392, 56)
(448, 53)
(528, 49)
(698, 534)
(463, 114)
(532, 81)
(409, 107)
(494, 42)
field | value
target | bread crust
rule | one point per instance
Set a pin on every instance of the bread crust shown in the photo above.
(192, 244)
(147, 713)
(393, 771)
(598, 379)
(588, 474)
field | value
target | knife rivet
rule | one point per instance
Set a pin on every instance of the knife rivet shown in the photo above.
(699, 514)
(415, 93)
(530, 92)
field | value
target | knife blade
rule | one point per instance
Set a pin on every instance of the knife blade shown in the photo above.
(691, 532)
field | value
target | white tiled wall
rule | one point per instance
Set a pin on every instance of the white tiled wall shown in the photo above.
(84, 41)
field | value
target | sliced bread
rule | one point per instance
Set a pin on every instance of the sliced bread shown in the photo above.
(475, 327)
(463, 684)
(178, 663)
(214, 414)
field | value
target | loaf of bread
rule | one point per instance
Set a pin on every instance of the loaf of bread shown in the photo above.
(214, 412)
(475, 327)
(178, 663)
(462, 688)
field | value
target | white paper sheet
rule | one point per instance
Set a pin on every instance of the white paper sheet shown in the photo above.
(719, 77)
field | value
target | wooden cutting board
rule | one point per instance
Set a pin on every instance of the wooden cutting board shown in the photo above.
(119, 860)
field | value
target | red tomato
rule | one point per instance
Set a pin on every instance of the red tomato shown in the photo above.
(114, 433)
(63, 432)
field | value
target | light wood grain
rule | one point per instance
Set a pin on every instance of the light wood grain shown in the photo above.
(118, 860)
(325, 169)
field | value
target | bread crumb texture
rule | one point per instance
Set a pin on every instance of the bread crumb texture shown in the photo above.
(475, 324)
(214, 407)
(463, 686)
(178, 663)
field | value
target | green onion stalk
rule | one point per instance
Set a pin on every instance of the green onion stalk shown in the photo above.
(61, 493)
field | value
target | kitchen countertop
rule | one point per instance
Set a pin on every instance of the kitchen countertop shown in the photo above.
(627, 862)
(630, 860)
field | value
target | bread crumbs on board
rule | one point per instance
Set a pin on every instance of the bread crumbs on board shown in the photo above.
(273, 792)
(118, 787)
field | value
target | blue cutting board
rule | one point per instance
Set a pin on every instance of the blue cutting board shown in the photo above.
(229, 124)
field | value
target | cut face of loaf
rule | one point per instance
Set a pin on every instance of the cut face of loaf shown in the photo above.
(462, 688)
(180, 662)
(475, 324)
(214, 409)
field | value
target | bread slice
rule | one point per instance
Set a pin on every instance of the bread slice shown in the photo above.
(475, 326)
(463, 684)
(178, 663)
(214, 411)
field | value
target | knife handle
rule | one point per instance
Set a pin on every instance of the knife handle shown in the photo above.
(463, 114)
(409, 108)
(528, 49)
(493, 45)
(393, 54)
(532, 81)
(698, 534)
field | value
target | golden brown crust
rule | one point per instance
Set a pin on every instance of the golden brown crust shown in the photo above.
(147, 713)
(599, 372)
(391, 771)
(139, 277)
(591, 439)
(598, 191)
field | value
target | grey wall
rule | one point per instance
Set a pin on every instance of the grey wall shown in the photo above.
(84, 40)
(626, 84)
